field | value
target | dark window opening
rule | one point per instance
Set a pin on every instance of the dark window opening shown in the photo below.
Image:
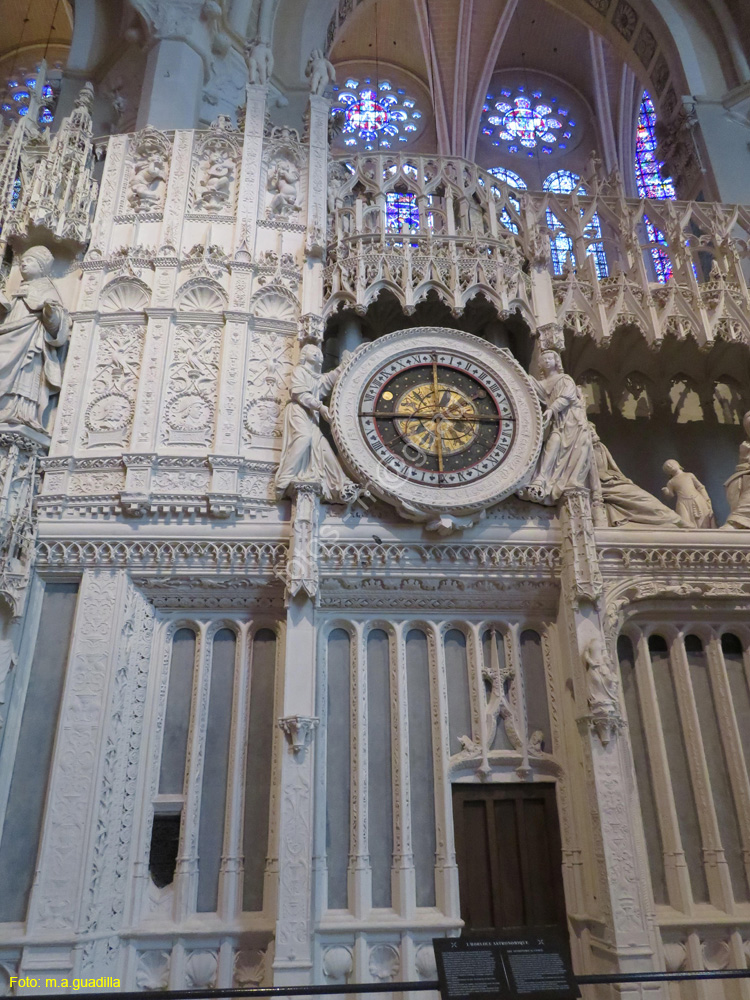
(165, 839)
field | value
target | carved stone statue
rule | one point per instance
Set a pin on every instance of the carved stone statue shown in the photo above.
(306, 456)
(566, 456)
(259, 59)
(603, 685)
(693, 503)
(319, 72)
(32, 340)
(738, 484)
(148, 182)
(283, 184)
(216, 182)
(624, 502)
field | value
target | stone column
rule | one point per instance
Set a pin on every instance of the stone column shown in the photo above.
(293, 955)
(624, 903)
(176, 64)
(725, 143)
(78, 889)
(172, 86)
(350, 335)
(497, 334)
(311, 324)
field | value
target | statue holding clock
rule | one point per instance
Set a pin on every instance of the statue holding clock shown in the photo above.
(443, 426)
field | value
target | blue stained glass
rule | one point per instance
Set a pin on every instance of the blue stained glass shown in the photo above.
(650, 181)
(23, 111)
(564, 182)
(401, 211)
(662, 263)
(561, 244)
(648, 176)
(508, 177)
(372, 114)
(521, 120)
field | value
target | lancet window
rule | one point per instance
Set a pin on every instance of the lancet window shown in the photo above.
(561, 243)
(512, 179)
(651, 181)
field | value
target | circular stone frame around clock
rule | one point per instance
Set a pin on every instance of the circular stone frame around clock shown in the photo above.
(417, 500)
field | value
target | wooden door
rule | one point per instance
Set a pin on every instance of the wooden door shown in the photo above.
(509, 856)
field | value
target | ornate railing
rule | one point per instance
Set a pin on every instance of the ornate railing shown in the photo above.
(410, 224)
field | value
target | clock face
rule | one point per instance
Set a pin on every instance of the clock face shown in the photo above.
(436, 420)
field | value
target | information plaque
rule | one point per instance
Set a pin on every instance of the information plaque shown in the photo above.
(529, 963)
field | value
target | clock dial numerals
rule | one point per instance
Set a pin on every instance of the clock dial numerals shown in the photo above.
(437, 418)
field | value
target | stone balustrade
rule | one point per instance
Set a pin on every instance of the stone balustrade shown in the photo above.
(469, 234)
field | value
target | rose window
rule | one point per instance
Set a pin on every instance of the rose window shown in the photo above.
(376, 115)
(526, 121)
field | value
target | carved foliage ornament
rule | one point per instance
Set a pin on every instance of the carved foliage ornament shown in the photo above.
(436, 421)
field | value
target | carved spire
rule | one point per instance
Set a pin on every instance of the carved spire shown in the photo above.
(61, 195)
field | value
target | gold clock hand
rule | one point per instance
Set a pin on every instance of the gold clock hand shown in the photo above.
(435, 390)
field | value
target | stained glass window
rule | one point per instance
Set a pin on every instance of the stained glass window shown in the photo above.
(376, 115)
(519, 122)
(508, 177)
(561, 244)
(512, 180)
(650, 182)
(16, 95)
(401, 211)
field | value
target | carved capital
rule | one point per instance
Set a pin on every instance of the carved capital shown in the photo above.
(310, 328)
(299, 731)
(551, 337)
(605, 726)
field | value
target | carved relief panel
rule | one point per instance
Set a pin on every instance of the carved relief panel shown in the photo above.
(284, 181)
(215, 170)
(190, 408)
(145, 191)
(109, 413)
(269, 368)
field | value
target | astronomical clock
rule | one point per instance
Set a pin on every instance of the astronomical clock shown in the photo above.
(436, 421)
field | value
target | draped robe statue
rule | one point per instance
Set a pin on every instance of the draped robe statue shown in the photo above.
(624, 502)
(32, 340)
(738, 484)
(306, 456)
(566, 456)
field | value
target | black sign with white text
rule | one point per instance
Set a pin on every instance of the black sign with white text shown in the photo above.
(530, 963)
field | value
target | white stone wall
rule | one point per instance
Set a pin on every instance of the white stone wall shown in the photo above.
(206, 269)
